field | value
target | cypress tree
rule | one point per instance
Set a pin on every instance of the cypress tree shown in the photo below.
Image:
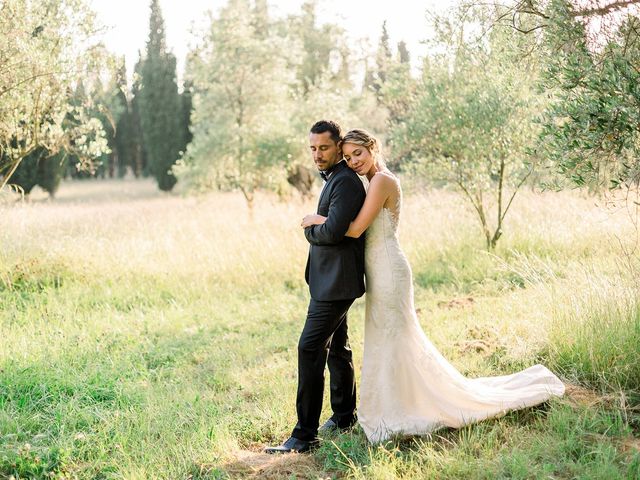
(403, 53)
(186, 100)
(383, 60)
(104, 163)
(317, 44)
(113, 111)
(369, 83)
(139, 151)
(160, 108)
(260, 19)
(124, 135)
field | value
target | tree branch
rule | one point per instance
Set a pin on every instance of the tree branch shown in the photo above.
(469, 196)
(600, 11)
(542, 25)
(33, 77)
(524, 179)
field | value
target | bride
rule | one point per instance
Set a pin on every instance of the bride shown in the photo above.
(407, 386)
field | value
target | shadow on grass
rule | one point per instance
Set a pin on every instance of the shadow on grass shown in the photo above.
(254, 463)
(352, 454)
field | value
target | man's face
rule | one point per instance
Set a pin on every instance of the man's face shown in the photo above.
(325, 152)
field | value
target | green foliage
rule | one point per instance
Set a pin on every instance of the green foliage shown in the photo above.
(240, 109)
(160, 106)
(596, 341)
(257, 91)
(317, 45)
(590, 133)
(140, 162)
(403, 53)
(383, 61)
(110, 107)
(469, 120)
(124, 138)
(39, 168)
(26, 175)
(44, 47)
(50, 173)
(89, 96)
(25, 461)
(186, 98)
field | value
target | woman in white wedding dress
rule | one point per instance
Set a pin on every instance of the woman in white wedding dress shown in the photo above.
(407, 387)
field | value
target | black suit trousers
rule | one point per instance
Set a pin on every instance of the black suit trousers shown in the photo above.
(324, 341)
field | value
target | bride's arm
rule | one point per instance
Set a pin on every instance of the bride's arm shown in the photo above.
(380, 189)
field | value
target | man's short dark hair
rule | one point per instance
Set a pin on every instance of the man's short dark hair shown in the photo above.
(328, 126)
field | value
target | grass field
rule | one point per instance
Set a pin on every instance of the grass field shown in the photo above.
(145, 335)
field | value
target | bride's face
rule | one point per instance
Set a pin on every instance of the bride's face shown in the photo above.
(358, 158)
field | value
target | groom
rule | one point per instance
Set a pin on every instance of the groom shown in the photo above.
(335, 274)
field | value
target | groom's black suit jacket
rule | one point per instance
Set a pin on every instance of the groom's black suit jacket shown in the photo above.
(335, 267)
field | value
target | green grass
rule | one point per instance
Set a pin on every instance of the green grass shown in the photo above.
(555, 442)
(156, 338)
(596, 341)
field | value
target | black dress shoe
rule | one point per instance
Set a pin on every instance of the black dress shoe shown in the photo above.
(331, 426)
(293, 445)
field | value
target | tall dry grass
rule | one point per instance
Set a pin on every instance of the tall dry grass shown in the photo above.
(145, 335)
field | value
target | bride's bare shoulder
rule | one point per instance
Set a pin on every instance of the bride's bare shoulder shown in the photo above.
(385, 179)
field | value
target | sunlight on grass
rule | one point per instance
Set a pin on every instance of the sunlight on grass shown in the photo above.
(145, 335)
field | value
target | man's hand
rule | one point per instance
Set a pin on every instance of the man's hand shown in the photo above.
(312, 219)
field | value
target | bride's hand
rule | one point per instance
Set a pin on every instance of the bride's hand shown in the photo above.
(312, 219)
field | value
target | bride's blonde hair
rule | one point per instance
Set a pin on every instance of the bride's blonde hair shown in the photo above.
(361, 137)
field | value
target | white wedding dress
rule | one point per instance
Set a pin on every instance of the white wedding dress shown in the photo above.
(407, 387)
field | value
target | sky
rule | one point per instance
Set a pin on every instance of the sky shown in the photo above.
(127, 22)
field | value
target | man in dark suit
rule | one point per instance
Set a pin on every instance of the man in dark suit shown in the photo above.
(335, 275)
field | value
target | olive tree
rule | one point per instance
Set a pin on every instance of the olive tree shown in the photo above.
(470, 120)
(45, 47)
(240, 101)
